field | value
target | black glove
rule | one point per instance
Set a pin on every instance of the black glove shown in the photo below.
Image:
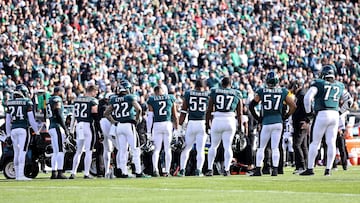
(8, 141)
(285, 117)
(309, 117)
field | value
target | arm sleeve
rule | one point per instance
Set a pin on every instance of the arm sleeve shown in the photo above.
(8, 124)
(347, 101)
(72, 123)
(96, 121)
(252, 105)
(309, 96)
(32, 122)
(149, 121)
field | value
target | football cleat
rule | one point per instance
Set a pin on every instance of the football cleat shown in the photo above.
(257, 172)
(88, 177)
(61, 176)
(198, 173)
(142, 175)
(156, 174)
(226, 173)
(274, 171)
(181, 173)
(327, 172)
(209, 173)
(72, 176)
(307, 172)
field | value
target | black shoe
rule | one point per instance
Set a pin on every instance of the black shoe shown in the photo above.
(124, 176)
(156, 174)
(307, 172)
(344, 167)
(72, 176)
(327, 172)
(142, 175)
(209, 173)
(198, 172)
(266, 170)
(181, 173)
(227, 173)
(274, 171)
(61, 176)
(88, 177)
(280, 171)
(53, 175)
(257, 172)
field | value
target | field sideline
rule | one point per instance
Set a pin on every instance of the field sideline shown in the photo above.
(342, 186)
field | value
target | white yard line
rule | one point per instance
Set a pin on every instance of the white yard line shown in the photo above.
(42, 188)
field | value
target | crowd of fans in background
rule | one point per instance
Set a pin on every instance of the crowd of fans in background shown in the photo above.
(74, 43)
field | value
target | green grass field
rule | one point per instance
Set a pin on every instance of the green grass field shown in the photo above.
(342, 186)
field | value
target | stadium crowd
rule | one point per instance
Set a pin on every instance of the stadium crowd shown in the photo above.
(73, 43)
(172, 43)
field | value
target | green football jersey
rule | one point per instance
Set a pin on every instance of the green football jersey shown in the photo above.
(328, 95)
(225, 99)
(18, 109)
(197, 102)
(272, 101)
(50, 107)
(162, 106)
(82, 108)
(123, 109)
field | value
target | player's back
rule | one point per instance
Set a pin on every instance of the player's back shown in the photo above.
(18, 109)
(123, 109)
(328, 95)
(82, 108)
(225, 99)
(162, 105)
(50, 107)
(197, 102)
(272, 104)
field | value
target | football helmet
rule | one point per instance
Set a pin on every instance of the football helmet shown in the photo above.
(178, 142)
(327, 72)
(22, 90)
(239, 142)
(272, 79)
(148, 146)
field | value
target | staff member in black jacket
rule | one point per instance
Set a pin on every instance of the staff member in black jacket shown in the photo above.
(301, 127)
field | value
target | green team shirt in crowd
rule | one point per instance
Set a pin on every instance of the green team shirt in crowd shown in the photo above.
(162, 106)
(18, 109)
(50, 107)
(328, 95)
(272, 101)
(225, 99)
(197, 102)
(82, 108)
(123, 109)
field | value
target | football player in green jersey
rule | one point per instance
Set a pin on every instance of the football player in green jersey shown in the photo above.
(195, 105)
(85, 112)
(272, 100)
(225, 107)
(124, 111)
(18, 116)
(57, 131)
(326, 94)
(161, 114)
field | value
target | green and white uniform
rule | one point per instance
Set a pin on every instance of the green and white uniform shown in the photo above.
(326, 96)
(223, 127)
(162, 127)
